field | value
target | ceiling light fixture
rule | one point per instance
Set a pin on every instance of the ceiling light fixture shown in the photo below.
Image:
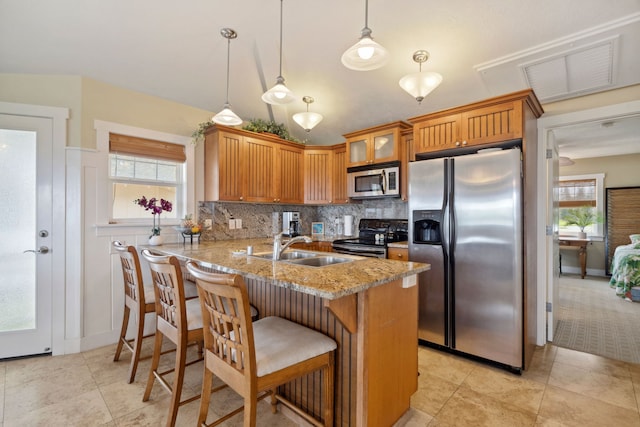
(366, 54)
(226, 116)
(307, 120)
(420, 84)
(279, 94)
(565, 161)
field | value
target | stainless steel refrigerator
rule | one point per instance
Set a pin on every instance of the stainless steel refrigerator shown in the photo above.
(466, 221)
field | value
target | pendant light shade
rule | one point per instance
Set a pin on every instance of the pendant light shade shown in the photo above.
(366, 54)
(420, 84)
(307, 120)
(226, 116)
(279, 94)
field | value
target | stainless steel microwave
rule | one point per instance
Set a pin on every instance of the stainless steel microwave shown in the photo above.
(373, 181)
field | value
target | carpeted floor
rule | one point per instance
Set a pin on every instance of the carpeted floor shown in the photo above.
(592, 319)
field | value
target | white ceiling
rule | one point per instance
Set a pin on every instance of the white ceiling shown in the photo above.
(174, 50)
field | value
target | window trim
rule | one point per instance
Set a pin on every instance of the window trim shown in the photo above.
(103, 129)
(599, 178)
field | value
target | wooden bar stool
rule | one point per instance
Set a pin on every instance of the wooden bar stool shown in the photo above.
(138, 300)
(177, 318)
(254, 358)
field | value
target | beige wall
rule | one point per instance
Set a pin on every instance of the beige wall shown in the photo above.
(612, 97)
(619, 171)
(89, 100)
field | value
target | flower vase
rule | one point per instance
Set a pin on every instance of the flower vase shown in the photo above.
(156, 240)
(582, 235)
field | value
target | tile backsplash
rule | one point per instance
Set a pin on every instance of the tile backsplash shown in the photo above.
(265, 220)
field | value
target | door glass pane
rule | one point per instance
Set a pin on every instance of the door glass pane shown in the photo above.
(358, 151)
(17, 226)
(383, 146)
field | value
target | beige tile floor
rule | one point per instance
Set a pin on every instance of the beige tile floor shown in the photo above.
(562, 388)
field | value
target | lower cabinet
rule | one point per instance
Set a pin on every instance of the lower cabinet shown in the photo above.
(320, 246)
(400, 254)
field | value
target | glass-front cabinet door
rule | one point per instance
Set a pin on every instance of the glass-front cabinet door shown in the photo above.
(358, 151)
(384, 147)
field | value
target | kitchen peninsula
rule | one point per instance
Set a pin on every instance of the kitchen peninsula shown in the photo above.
(368, 305)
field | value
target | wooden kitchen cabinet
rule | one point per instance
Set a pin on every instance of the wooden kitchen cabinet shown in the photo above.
(320, 246)
(379, 144)
(318, 167)
(488, 122)
(339, 179)
(243, 166)
(325, 175)
(290, 174)
(399, 254)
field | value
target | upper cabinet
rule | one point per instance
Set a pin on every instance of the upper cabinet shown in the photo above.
(339, 178)
(379, 144)
(243, 166)
(325, 175)
(491, 121)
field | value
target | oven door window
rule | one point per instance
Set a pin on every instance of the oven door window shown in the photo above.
(366, 183)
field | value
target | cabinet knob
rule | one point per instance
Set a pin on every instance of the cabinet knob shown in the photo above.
(399, 255)
(457, 143)
(241, 198)
(464, 142)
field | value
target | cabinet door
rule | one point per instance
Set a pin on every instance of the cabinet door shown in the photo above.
(491, 124)
(260, 170)
(224, 166)
(358, 151)
(399, 254)
(437, 134)
(317, 176)
(384, 146)
(290, 175)
(339, 181)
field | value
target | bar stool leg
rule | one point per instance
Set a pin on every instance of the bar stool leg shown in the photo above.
(157, 349)
(123, 333)
(178, 380)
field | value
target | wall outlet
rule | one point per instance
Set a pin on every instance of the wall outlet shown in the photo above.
(238, 224)
(232, 224)
(207, 224)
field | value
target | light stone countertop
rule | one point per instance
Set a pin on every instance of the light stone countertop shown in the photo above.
(401, 245)
(330, 282)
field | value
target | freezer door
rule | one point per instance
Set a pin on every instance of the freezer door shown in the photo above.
(487, 256)
(426, 198)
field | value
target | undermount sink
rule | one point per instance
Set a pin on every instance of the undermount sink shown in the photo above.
(320, 261)
(287, 255)
(310, 259)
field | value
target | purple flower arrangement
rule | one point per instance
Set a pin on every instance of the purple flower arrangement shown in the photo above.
(156, 209)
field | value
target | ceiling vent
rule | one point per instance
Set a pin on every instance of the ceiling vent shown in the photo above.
(573, 73)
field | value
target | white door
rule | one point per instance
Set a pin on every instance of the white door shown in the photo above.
(553, 249)
(26, 145)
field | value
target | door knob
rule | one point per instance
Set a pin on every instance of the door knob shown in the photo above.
(40, 250)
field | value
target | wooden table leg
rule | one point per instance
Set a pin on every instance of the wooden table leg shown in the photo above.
(583, 260)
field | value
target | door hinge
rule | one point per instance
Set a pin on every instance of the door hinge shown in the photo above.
(549, 153)
(548, 230)
(549, 307)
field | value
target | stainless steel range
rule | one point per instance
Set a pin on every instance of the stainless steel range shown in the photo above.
(373, 237)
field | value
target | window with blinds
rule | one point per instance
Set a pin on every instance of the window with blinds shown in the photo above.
(144, 167)
(577, 192)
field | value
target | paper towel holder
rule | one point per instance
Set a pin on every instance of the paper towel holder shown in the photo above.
(348, 225)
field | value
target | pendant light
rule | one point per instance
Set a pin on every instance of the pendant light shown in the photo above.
(366, 54)
(226, 116)
(307, 120)
(420, 84)
(279, 94)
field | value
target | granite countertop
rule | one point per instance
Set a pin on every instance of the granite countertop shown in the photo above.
(401, 245)
(330, 282)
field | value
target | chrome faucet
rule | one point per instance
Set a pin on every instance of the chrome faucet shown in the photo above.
(279, 246)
